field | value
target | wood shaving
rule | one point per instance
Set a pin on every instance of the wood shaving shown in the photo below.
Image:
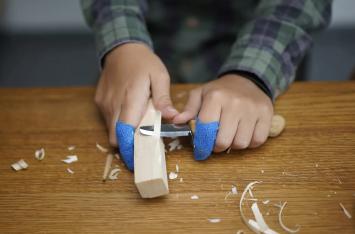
(234, 190)
(194, 197)
(181, 180)
(339, 181)
(240, 232)
(266, 202)
(39, 154)
(252, 224)
(177, 168)
(251, 199)
(19, 165)
(229, 150)
(23, 164)
(214, 220)
(262, 171)
(114, 174)
(247, 188)
(117, 156)
(250, 193)
(278, 205)
(346, 212)
(70, 159)
(270, 231)
(101, 148)
(172, 175)
(107, 167)
(70, 171)
(259, 217)
(227, 195)
(71, 147)
(256, 228)
(174, 145)
(283, 225)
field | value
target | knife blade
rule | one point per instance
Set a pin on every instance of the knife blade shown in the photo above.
(168, 130)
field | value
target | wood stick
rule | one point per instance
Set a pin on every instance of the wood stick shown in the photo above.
(149, 158)
(107, 166)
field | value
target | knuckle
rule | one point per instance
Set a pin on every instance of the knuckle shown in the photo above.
(265, 108)
(236, 101)
(161, 75)
(163, 100)
(215, 95)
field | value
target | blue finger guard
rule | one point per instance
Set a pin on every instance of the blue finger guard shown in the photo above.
(125, 141)
(204, 139)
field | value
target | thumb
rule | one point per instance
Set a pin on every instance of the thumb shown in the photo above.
(192, 107)
(161, 96)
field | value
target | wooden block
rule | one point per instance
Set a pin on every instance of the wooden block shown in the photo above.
(150, 174)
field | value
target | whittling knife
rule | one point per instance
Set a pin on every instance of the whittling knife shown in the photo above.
(176, 130)
(170, 130)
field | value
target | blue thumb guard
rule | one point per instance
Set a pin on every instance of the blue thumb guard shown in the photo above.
(125, 141)
(204, 139)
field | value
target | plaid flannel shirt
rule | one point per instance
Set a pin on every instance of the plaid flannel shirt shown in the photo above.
(200, 40)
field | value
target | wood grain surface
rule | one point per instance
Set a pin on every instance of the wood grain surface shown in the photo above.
(311, 166)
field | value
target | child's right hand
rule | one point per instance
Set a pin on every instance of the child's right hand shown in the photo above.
(131, 71)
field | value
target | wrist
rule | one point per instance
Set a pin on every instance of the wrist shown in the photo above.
(253, 78)
(126, 49)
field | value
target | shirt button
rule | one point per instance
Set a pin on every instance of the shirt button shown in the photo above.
(192, 22)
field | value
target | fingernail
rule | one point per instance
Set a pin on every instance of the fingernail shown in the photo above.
(204, 139)
(125, 141)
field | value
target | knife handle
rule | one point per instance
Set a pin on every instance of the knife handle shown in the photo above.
(278, 124)
(192, 124)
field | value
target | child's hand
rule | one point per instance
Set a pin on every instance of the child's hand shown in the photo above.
(232, 112)
(130, 73)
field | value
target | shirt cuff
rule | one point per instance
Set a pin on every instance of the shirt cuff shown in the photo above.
(253, 78)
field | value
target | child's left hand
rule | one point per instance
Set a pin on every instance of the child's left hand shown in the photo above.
(232, 112)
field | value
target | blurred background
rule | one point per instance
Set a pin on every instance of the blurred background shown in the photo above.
(46, 43)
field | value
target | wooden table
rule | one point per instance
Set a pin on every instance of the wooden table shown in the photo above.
(311, 166)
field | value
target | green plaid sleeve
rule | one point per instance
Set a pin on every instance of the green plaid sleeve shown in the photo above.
(274, 42)
(115, 22)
